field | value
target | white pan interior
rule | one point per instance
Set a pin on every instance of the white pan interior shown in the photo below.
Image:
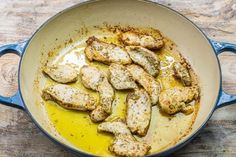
(192, 44)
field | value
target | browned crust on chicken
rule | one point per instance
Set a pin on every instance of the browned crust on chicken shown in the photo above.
(146, 40)
(177, 99)
(148, 82)
(138, 112)
(61, 73)
(116, 127)
(182, 73)
(127, 146)
(107, 95)
(91, 77)
(124, 143)
(98, 50)
(69, 97)
(120, 77)
(95, 79)
(145, 58)
(98, 114)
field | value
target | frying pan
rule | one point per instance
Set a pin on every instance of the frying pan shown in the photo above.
(201, 51)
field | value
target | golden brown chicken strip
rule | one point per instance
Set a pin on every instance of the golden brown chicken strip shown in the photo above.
(91, 77)
(120, 77)
(138, 112)
(138, 39)
(127, 146)
(95, 79)
(152, 87)
(61, 73)
(115, 127)
(69, 97)
(107, 95)
(182, 73)
(98, 114)
(145, 58)
(177, 99)
(124, 143)
(106, 53)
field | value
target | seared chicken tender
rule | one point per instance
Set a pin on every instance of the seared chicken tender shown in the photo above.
(124, 144)
(107, 95)
(182, 73)
(138, 112)
(115, 127)
(145, 58)
(98, 114)
(120, 77)
(138, 39)
(106, 53)
(91, 77)
(95, 79)
(152, 87)
(61, 73)
(69, 97)
(127, 146)
(177, 99)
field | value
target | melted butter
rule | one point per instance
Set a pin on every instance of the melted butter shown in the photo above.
(77, 128)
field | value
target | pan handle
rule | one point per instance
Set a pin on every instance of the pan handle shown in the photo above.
(224, 98)
(15, 100)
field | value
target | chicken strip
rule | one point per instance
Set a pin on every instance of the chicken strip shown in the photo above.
(98, 114)
(127, 146)
(145, 58)
(120, 77)
(152, 87)
(115, 127)
(138, 112)
(95, 79)
(182, 73)
(91, 77)
(106, 53)
(124, 143)
(61, 73)
(69, 97)
(177, 99)
(107, 95)
(138, 39)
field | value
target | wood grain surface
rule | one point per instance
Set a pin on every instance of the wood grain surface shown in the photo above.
(19, 19)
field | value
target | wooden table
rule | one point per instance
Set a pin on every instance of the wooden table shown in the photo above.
(19, 19)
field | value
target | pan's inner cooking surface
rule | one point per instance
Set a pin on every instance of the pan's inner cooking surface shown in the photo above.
(77, 128)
